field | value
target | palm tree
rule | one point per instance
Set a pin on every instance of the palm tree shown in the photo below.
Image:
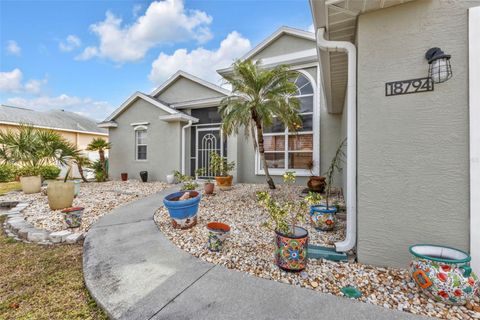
(259, 97)
(100, 145)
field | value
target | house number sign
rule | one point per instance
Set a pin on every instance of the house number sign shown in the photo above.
(396, 88)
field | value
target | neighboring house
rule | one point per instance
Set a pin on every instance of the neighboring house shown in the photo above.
(77, 129)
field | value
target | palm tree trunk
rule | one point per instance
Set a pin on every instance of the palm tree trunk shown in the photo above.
(80, 170)
(261, 150)
(101, 154)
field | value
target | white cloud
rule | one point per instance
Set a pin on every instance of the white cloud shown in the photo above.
(13, 48)
(11, 81)
(136, 10)
(70, 43)
(98, 110)
(163, 22)
(200, 62)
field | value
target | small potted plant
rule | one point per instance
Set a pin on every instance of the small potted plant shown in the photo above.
(323, 217)
(291, 241)
(221, 168)
(217, 233)
(30, 179)
(124, 176)
(315, 183)
(208, 186)
(182, 207)
(188, 183)
(61, 193)
(73, 216)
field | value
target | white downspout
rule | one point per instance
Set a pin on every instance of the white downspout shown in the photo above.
(344, 46)
(183, 145)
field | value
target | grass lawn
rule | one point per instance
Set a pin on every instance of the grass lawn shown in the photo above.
(9, 186)
(39, 282)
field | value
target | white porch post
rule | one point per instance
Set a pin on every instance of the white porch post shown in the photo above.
(474, 75)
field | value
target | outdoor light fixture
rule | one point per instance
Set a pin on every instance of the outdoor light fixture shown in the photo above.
(439, 68)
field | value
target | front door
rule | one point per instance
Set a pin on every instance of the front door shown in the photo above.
(208, 140)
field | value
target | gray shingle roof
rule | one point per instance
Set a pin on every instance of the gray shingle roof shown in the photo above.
(52, 119)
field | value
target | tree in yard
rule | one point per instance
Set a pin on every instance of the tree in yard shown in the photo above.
(259, 97)
(82, 162)
(100, 145)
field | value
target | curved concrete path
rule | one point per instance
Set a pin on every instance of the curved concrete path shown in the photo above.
(134, 272)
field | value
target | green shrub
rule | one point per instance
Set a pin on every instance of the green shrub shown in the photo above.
(49, 172)
(27, 171)
(100, 174)
(7, 172)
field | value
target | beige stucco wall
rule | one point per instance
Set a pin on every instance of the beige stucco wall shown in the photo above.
(186, 90)
(283, 45)
(412, 149)
(163, 143)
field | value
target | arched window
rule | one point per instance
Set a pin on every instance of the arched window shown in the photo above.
(140, 143)
(286, 150)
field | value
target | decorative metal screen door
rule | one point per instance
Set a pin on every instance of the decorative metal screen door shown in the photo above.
(208, 140)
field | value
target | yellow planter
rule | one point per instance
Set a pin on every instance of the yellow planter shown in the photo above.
(60, 194)
(32, 184)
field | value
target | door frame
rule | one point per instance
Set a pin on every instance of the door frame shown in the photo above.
(213, 128)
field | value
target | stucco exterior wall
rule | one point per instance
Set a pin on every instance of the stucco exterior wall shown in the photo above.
(163, 143)
(186, 90)
(413, 153)
(284, 45)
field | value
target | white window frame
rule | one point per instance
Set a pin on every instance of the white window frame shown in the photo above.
(136, 130)
(316, 138)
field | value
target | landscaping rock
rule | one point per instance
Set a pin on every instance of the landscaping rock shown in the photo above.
(37, 235)
(74, 238)
(59, 236)
(23, 233)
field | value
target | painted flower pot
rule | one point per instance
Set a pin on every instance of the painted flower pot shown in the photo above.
(208, 187)
(224, 183)
(170, 178)
(291, 250)
(144, 176)
(217, 233)
(443, 273)
(73, 216)
(31, 184)
(316, 183)
(322, 218)
(124, 176)
(182, 212)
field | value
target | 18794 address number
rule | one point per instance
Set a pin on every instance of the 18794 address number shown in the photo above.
(408, 86)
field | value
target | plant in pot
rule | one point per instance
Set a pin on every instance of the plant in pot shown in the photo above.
(61, 193)
(30, 179)
(324, 217)
(291, 240)
(208, 186)
(315, 183)
(221, 168)
(182, 207)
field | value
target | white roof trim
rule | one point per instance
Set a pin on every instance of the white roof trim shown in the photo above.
(208, 102)
(191, 77)
(109, 124)
(140, 123)
(11, 123)
(180, 116)
(139, 95)
(277, 34)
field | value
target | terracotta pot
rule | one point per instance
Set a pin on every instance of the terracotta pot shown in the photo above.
(291, 250)
(124, 176)
(224, 183)
(208, 187)
(73, 216)
(217, 233)
(316, 183)
(32, 184)
(60, 194)
(444, 274)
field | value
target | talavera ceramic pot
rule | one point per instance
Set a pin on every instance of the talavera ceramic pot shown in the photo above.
(291, 250)
(217, 233)
(322, 218)
(443, 273)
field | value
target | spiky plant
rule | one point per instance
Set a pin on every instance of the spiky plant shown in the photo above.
(100, 145)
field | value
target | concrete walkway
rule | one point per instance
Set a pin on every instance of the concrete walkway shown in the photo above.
(134, 272)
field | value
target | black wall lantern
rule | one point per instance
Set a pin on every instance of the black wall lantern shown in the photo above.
(439, 68)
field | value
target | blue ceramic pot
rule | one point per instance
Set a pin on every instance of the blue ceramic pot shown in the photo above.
(182, 212)
(322, 218)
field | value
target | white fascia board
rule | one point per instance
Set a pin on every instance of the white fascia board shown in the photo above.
(145, 123)
(201, 103)
(10, 123)
(178, 117)
(109, 124)
(181, 73)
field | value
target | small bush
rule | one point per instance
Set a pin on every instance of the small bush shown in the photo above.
(49, 172)
(27, 171)
(7, 172)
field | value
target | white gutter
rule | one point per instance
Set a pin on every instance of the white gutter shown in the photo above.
(183, 144)
(344, 46)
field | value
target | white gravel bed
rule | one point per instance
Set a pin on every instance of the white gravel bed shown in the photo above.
(250, 246)
(98, 199)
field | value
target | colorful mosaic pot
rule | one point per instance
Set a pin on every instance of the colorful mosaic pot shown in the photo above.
(443, 273)
(217, 233)
(73, 216)
(291, 251)
(322, 218)
(182, 212)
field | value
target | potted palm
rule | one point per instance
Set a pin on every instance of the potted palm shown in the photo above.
(291, 240)
(30, 179)
(61, 193)
(323, 217)
(315, 183)
(221, 168)
(208, 186)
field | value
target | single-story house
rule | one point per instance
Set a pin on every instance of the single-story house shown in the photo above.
(412, 168)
